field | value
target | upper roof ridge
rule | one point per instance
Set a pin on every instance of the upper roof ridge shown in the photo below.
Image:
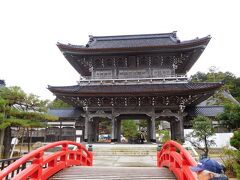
(133, 36)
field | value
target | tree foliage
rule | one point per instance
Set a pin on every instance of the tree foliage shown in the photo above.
(58, 103)
(231, 157)
(231, 161)
(105, 126)
(230, 117)
(231, 82)
(129, 128)
(202, 131)
(16, 104)
(26, 123)
(18, 109)
(164, 135)
(235, 140)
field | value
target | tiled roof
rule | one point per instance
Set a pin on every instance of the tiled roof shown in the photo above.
(210, 111)
(141, 88)
(216, 100)
(64, 112)
(134, 41)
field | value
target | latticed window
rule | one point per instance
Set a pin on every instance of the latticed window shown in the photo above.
(146, 101)
(98, 63)
(168, 61)
(93, 102)
(143, 62)
(120, 101)
(108, 62)
(68, 131)
(132, 101)
(156, 61)
(53, 131)
(172, 100)
(158, 101)
(121, 62)
(106, 101)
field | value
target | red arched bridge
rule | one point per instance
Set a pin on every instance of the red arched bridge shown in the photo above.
(173, 162)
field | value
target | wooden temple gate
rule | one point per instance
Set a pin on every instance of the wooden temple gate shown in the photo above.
(134, 75)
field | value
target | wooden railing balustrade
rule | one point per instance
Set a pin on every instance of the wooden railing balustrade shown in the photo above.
(43, 165)
(177, 159)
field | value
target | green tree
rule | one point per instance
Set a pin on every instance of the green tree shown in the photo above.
(202, 131)
(105, 126)
(199, 77)
(235, 140)
(231, 157)
(21, 111)
(213, 76)
(231, 161)
(230, 117)
(129, 128)
(58, 103)
(165, 135)
(231, 82)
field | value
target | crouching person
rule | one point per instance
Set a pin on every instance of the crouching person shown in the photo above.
(209, 169)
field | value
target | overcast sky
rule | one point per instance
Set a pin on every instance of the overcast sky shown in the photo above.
(30, 29)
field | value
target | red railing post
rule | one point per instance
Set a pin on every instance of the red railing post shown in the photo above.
(171, 148)
(79, 154)
(38, 160)
(177, 159)
(64, 157)
(90, 159)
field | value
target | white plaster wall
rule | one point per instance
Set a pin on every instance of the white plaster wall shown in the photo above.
(221, 139)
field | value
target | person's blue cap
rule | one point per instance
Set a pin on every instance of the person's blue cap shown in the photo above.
(209, 165)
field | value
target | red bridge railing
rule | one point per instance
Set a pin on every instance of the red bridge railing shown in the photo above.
(44, 166)
(177, 159)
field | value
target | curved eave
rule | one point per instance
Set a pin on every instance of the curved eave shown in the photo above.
(185, 45)
(135, 90)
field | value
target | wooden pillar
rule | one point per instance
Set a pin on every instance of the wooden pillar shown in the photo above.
(119, 130)
(114, 129)
(149, 130)
(96, 126)
(90, 130)
(153, 129)
(173, 130)
(94, 130)
(86, 128)
(178, 127)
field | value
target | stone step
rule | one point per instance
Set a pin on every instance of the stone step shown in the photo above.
(125, 149)
(118, 150)
(124, 154)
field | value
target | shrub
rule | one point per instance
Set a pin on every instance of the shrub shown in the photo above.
(165, 135)
(235, 140)
(230, 159)
(129, 128)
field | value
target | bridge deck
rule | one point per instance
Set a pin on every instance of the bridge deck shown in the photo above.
(106, 173)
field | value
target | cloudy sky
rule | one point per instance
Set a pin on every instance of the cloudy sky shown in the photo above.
(30, 29)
